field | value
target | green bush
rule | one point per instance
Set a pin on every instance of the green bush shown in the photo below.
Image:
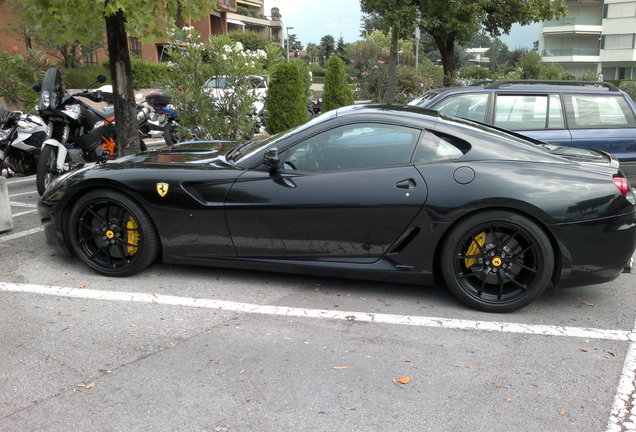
(337, 92)
(475, 72)
(83, 77)
(317, 70)
(286, 104)
(147, 75)
(18, 73)
(629, 87)
(251, 41)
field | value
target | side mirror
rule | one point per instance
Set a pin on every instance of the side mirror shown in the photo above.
(271, 159)
(37, 87)
(101, 78)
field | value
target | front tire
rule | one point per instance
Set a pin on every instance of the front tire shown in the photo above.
(497, 261)
(46, 170)
(112, 234)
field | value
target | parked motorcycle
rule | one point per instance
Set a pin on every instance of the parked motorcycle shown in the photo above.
(162, 120)
(79, 133)
(21, 138)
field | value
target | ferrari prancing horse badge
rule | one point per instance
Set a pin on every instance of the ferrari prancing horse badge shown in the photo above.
(162, 189)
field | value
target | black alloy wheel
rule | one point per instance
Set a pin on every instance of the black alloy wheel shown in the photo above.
(497, 261)
(112, 234)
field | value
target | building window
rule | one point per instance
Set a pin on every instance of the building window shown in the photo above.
(134, 46)
(621, 41)
(620, 10)
(89, 55)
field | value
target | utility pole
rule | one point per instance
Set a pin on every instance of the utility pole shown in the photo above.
(288, 29)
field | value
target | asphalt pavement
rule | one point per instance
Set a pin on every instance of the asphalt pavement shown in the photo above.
(183, 348)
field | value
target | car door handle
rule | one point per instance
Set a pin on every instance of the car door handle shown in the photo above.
(406, 184)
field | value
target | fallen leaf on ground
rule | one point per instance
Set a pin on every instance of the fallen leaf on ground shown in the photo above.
(562, 413)
(611, 353)
(90, 385)
(403, 379)
(81, 286)
(476, 367)
(508, 400)
(587, 303)
(350, 409)
(350, 317)
(83, 391)
(340, 367)
(583, 349)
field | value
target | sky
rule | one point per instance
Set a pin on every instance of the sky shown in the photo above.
(314, 19)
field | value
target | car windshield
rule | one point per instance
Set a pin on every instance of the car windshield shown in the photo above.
(244, 152)
(220, 82)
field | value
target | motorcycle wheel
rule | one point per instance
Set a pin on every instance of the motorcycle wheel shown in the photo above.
(46, 170)
(171, 134)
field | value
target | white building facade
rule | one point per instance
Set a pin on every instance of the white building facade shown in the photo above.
(597, 36)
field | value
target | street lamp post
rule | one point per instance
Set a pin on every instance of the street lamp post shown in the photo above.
(288, 29)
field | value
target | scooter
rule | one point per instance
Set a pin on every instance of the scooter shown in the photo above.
(163, 119)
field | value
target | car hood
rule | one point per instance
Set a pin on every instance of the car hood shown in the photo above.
(192, 153)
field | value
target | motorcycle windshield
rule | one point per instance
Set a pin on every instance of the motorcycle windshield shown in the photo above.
(52, 90)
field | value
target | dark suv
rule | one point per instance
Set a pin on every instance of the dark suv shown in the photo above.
(583, 114)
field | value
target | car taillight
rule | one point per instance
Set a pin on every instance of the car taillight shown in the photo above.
(622, 184)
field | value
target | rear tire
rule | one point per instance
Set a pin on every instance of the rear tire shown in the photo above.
(46, 170)
(497, 261)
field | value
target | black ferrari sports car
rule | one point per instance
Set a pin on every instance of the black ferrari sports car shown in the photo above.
(380, 192)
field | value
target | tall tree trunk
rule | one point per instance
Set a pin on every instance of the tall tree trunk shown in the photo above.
(389, 97)
(446, 49)
(125, 114)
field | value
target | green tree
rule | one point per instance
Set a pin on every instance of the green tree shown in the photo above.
(458, 21)
(398, 19)
(286, 103)
(337, 92)
(87, 21)
(327, 47)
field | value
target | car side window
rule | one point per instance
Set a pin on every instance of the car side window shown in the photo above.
(598, 111)
(469, 105)
(354, 146)
(434, 147)
(528, 112)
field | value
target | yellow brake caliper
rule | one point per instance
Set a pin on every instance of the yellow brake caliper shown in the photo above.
(133, 235)
(475, 247)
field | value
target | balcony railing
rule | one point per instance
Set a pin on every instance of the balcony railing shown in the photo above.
(559, 52)
(573, 21)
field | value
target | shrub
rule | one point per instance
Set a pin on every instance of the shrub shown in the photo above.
(337, 92)
(83, 77)
(629, 87)
(286, 104)
(475, 73)
(147, 75)
(224, 114)
(251, 41)
(18, 73)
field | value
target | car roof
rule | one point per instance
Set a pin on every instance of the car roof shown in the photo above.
(395, 109)
(532, 86)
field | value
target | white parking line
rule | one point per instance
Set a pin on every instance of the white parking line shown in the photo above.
(24, 213)
(622, 417)
(11, 181)
(20, 204)
(410, 320)
(21, 234)
(23, 193)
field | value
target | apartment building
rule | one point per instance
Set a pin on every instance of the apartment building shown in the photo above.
(597, 36)
(231, 15)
